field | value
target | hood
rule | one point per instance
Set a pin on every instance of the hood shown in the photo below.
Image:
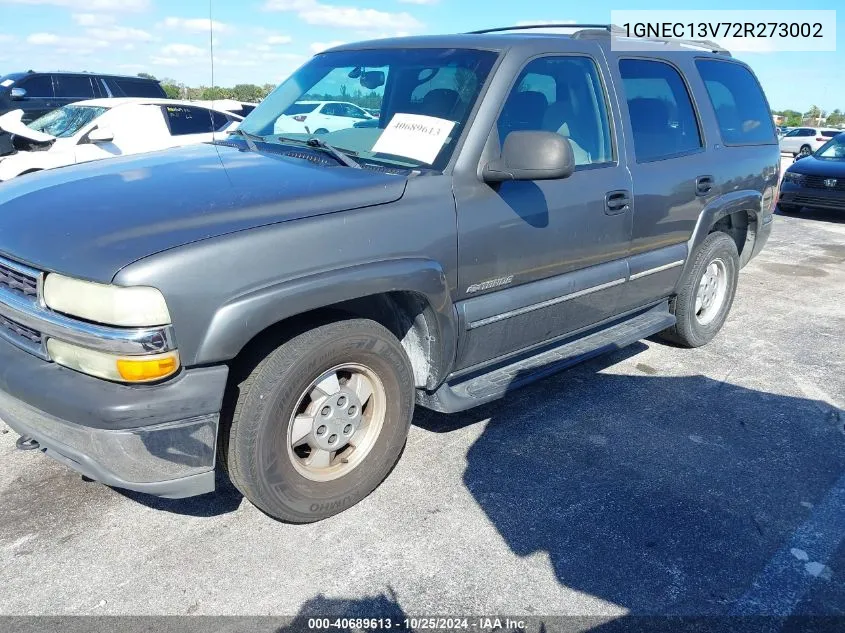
(12, 122)
(812, 166)
(91, 220)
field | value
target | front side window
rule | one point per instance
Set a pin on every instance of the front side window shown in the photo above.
(442, 84)
(37, 86)
(561, 94)
(184, 120)
(663, 121)
(741, 109)
(67, 121)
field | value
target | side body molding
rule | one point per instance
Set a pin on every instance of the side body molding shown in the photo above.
(242, 318)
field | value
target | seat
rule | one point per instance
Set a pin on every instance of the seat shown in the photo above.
(441, 103)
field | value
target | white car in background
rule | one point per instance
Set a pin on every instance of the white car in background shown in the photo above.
(804, 141)
(104, 128)
(320, 117)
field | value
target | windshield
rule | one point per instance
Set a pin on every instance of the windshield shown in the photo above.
(834, 148)
(66, 121)
(422, 99)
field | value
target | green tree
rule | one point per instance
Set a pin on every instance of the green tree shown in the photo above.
(147, 76)
(172, 91)
(836, 118)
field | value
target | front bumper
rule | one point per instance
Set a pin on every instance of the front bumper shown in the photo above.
(815, 198)
(159, 439)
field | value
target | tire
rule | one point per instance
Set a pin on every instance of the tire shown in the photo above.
(278, 399)
(805, 150)
(696, 324)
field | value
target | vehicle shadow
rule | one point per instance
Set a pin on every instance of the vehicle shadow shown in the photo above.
(382, 607)
(818, 215)
(664, 495)
(225, 499)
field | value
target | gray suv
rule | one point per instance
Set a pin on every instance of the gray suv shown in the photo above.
(280, 301)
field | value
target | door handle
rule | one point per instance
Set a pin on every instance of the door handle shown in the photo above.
(703, 185)
(617, 202)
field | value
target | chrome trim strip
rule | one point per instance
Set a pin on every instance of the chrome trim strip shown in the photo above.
(20, 268)
(124, 341)
(659, 269)
(543, 304)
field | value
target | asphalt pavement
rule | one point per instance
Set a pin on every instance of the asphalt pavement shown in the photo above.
(654, 481)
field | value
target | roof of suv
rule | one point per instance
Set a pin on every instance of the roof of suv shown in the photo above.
(523, 37)
(85, 73)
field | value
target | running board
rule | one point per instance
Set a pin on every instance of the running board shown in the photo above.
(461, 395)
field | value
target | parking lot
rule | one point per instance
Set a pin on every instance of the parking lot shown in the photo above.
(653, 481)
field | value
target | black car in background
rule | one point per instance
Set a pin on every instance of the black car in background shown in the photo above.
(816, 181)
(38, 93)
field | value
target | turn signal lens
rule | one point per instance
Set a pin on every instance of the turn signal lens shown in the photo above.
(147, 369)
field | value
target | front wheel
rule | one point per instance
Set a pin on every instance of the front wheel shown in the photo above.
(706, 292)
(321, 421)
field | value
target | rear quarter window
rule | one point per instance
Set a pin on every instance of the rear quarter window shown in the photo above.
(184, 120)
(741, 109)
(135, 88)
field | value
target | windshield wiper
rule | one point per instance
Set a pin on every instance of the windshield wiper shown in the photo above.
(342, 156)
(249, 138)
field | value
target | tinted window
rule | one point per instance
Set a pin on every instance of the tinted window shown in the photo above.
(37, 86)
(793, 133)
(741, 109)
(184, 120)
(298, 108)
(331, 109)
(564, 95)
(807, 132)
(663, 121)
(830, 133)
(137, 88)
(73, 86)
(219, 120)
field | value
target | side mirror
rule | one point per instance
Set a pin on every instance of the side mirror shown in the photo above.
(101, 135)
(532, 156)
(17, 94)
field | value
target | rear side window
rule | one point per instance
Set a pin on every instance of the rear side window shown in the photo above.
(219, 120)
(741, 109)
(73, 86)
(301, 108)
(663, 121)
(184, 120)
(37, 86)
(830, 133)
(135, 88)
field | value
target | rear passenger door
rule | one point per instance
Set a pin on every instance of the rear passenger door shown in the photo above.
(672, 173)
(541, 259)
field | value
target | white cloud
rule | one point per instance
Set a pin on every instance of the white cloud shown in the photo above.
(164, 61)
(275, 40)
(121, 34)
(314, 12)
(195, 25)
(183, 50)
(319, 47)
(93, 19)
(95, 6)
(63, 45)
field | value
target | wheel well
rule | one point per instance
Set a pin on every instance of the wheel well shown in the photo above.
(407, 315)
(740, 226)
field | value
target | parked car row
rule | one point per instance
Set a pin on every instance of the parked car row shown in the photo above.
(817, 180)
(803, 141)
(105, 128)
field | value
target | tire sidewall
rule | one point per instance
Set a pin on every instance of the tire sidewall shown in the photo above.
(277, 392)
(716, 246)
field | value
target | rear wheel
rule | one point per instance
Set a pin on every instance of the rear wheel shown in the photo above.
(321, 420)
(706, 292)
(805, 150)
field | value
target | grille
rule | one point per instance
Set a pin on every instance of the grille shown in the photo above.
(819, 201)
(21, 331)
(17, 282)
(817, 182)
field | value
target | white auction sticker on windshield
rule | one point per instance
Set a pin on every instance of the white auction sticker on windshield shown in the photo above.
(7, 83)
(414, 136)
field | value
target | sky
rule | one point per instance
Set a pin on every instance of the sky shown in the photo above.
(263, 41)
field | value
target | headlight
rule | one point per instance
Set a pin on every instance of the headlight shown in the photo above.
(133, 369)
(797, 179)
(110, 305)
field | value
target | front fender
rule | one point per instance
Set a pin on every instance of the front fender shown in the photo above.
(241, 319)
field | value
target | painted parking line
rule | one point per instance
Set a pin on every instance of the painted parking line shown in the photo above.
(793, 569)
